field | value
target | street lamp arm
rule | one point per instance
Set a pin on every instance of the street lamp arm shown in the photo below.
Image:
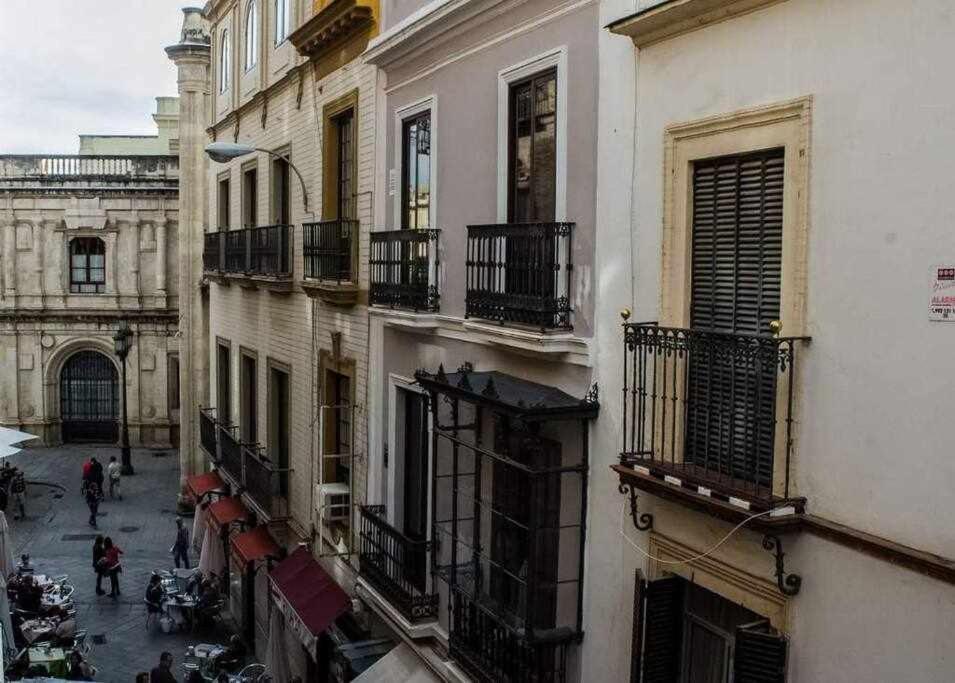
(291, 166)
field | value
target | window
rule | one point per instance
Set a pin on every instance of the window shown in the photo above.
(172, 381)
(345, 164)
(224, 204)
(251, 35)
(283, 19)
(415, 479)
(280, 192)
(532, 149)
(338, 158)
(223, 383)
(416, 171)
(279, 423)
(249, 398)
(250, 193)
(87, 265)
(338, 435)
(225, 60)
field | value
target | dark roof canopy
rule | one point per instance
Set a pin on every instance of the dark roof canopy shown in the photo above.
(510, 395)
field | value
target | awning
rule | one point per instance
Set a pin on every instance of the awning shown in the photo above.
(255, 545)
(227, 510)
(401, 664)
(307, 596)
(200, 484)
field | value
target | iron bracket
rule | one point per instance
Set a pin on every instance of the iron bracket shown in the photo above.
(643, 521)
(789, 584)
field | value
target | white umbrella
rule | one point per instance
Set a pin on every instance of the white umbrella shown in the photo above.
(199, 527)
(212, 557)
(9, 437)
(276, 656)
(5, 623)
(6, 548)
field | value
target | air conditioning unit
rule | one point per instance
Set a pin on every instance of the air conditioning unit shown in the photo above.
(332, 501)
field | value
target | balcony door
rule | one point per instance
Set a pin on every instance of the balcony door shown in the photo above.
(414, 522)
(735, 290)
(279, 424)
(415, 197)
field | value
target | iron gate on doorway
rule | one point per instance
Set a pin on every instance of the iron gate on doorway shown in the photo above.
(89, 398)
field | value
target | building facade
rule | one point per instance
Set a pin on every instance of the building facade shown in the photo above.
(772, 191)
(89, 242)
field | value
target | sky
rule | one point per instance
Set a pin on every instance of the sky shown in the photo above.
(82, 66)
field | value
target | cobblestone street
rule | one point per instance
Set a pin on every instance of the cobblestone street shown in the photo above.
(58, 538)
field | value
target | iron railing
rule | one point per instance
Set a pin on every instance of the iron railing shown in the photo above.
(403, 268)
(213, 256)
(270, 250)
(713, 409)
(266, 483)
(207, 432)
(236, 250)
(230, 452)
(492, 651)
(397, 566)
(328, 250)
(520, 273)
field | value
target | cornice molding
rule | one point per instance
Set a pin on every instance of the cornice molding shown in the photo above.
(333, 25)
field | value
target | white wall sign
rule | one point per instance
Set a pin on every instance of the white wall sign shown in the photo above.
(942, 305)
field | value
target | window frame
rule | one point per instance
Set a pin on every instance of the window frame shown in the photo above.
(251, 35)
(552, 59)
(280, 459)
(224, 381)
(248, 395)
(224, 203)
(99, 286)
(531, 82)
(283, 20)
(225, 61)
(280, 197)
(413, 110)
(331, 179)
(250, 195)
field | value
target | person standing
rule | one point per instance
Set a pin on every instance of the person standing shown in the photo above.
(114, 472)
(113, 566)
(99, 563)
(180, 548)
(94, 494)
(96, 473)
(19, 489)
(163, 672)
(87, 471)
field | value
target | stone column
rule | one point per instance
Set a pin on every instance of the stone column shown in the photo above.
(161, 258)
(191, 56)
(10, 264)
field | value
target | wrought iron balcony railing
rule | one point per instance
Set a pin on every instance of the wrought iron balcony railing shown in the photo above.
(491, 650)
(236, 251)
(264, 481)
(263, 251)
(520, 273)
(230, 452)
(397, 566)
(711, 409)
(403, 268)
(328, 249)
(207, 432)
(213, 256)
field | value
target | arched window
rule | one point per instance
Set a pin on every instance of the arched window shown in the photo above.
(283, 20)
(251, 35)
(87, 265)
(225, 58)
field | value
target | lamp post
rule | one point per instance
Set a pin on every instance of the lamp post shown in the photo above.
(122, 340)
(222, 152)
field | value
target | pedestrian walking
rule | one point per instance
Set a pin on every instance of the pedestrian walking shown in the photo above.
(96, 473)
(99, 563)
(19, 489)
(87, 471)
(114, 472)
(180, 548)
(113, 566)
(163, 672)
(94, 495)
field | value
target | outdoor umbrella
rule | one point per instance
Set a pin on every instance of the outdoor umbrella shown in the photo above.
(5, 623)
(212, 557)
(7, 566)
(199, 527)
(10, 437)
(276, 657)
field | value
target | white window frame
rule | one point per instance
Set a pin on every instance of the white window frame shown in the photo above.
(251, 35)
(283, 20)
(225, 60)
(556, 57)
(430, 104)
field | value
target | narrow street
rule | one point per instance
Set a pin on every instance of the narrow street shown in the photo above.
(59, 539)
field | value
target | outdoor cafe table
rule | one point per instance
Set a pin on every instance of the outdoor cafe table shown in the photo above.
(53, 659)
(35, 629)
(180, 608)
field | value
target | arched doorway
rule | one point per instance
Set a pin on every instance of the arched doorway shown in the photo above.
(89, 398)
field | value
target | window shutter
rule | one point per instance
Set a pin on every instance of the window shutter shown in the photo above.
(657, 630)
(760, 655)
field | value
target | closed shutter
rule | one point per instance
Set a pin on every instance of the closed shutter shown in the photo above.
(735, 290)
(759, 655)
(657, 630)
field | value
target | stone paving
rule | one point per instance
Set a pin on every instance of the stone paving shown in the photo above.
(143, 525)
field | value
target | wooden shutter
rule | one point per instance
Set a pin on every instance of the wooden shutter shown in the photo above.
(657, 630)
(759, 655)
(736, 266)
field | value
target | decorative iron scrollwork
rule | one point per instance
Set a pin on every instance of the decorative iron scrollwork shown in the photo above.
(789, 584)
(643, 521)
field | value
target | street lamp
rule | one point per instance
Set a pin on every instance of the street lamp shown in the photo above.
(223, 152)
(122, 341)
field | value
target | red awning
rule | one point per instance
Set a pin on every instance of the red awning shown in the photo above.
(307, 596)
(201, 484)
(255, 545)
(227, 510)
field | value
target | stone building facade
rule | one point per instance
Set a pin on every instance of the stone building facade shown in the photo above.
(88, 242)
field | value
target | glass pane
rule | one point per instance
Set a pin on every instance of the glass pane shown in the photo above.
(706, 655)
(78, 275)
(78, 261)
(521, 169)
(97, 261)
(545, 149)
(97, 275)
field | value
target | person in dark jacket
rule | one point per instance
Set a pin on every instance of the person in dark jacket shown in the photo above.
(96, 473)
(113, 567)
(99, 563)
(163, 672)
(94, 494)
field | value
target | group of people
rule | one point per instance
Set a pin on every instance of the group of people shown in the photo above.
(106, 563)
(93, 481)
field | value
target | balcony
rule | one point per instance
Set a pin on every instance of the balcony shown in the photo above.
(230, 453)
(709, 418)
(207, 432)
(396, 565)
(519, 274)
(403, 268)
(252, 256)
(330, 254)
(253, 473)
